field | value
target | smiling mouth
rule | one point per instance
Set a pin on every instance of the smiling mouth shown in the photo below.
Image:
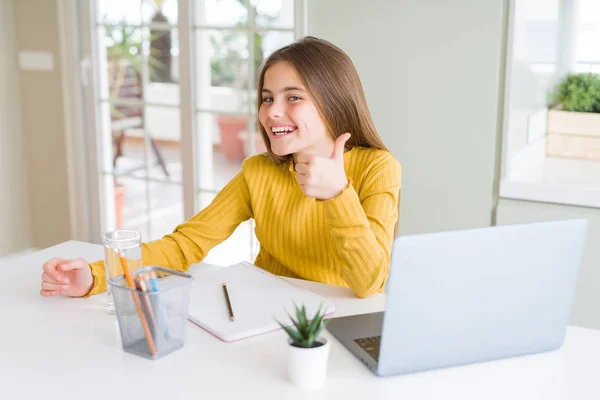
(282, 130)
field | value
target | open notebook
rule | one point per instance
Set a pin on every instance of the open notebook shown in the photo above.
(257, 298)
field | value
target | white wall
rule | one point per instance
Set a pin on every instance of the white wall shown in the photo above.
(14, 222)
(587, 297)
(43, 124)
(431, 72)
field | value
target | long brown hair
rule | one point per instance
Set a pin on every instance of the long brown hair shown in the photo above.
(331, 79)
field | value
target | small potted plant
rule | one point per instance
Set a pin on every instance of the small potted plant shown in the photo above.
(574, 124)
(308, 354)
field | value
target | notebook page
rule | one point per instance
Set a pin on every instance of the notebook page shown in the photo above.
(257, 299)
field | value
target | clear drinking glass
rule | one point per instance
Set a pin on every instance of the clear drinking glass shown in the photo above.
(120, 243)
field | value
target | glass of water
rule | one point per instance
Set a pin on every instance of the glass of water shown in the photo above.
(121, 243)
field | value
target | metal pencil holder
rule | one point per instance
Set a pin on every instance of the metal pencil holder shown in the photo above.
(153, 322)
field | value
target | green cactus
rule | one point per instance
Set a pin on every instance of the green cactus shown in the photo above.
(580, 92)
(305, 332)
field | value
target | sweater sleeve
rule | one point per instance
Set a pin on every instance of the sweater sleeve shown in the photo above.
(190, 242)
(362, 227)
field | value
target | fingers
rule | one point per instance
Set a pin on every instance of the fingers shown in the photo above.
(304, 158)
(54, 280)
(49, 279)
(302, 179)
(52, 287)
(302, 168)
(48, 286)
(50, 269)
(338, 146)
(70, 265)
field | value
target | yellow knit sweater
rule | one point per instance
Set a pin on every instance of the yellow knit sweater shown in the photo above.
(344, 241)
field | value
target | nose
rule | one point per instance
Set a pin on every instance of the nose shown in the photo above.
(276, 109)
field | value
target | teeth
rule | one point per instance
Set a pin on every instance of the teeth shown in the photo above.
(282, 130)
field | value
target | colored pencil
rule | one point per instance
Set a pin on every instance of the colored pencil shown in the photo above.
(141, 280)
(138, 305)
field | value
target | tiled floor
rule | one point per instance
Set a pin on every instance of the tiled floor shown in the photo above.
(156, 208)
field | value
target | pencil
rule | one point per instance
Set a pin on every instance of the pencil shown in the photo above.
(231, 317)
(159, 310)
(144, 288)
(138, 305)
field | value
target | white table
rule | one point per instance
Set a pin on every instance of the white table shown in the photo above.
(62, 348)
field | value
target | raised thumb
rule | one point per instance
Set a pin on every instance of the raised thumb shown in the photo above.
(338, 146)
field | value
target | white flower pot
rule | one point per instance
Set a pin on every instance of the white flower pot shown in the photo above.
(307, 367)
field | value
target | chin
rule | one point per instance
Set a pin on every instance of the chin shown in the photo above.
(280, 152)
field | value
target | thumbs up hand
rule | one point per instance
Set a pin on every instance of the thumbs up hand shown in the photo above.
(320, 177)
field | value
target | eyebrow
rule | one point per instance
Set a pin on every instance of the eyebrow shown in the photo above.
(286, 89)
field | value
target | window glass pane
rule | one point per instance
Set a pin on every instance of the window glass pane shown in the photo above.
(115, 12)
(159, 12)
(166, 209)
(163, 127)
(126, 136)
(259, 144)
(274, 13)
(536, 30)
(532, 71)
(268, 42)
(222, 13)
(105, 139)
(222, 71)
(162, 57)
(131, 205)
(139, 64)
(237, 247)
(221, 148)
(121, 62)
(137, 12)
(265, 43)
(130, 154)
(132, 212)
(587, 36)
(131, 209)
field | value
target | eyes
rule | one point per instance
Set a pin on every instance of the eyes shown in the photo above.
(269, 99)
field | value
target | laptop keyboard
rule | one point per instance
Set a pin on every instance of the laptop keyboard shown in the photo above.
(370, 345)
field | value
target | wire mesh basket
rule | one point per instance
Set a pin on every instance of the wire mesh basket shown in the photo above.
(152, 318)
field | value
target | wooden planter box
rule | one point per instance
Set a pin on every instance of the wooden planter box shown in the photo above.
(573, 134)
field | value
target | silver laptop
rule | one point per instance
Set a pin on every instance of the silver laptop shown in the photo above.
(467, 296)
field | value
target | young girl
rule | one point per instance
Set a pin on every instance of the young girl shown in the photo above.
(324, 197)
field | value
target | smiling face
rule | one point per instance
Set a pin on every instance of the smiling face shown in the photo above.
(289, 116)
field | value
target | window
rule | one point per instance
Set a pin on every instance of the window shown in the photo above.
(547, 40)
(587, 28)
(174, 90)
